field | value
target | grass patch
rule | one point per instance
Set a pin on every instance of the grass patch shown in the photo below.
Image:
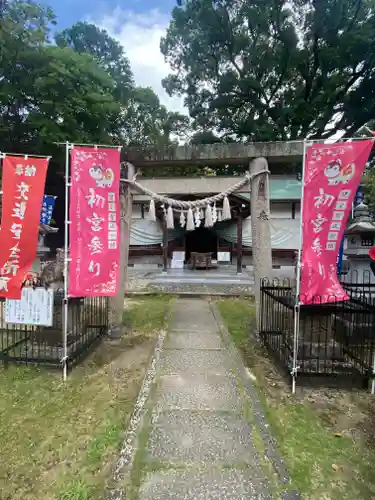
(324, 435)
(58, 441)
(145, 315)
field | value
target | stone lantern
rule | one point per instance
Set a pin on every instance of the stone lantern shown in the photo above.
(360, 238)
(42, 250)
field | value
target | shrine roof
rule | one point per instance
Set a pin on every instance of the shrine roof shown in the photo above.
(361, 227)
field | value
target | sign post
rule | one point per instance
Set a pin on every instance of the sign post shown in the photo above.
(35, 307)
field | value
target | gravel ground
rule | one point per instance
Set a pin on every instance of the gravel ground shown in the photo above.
(147, 280)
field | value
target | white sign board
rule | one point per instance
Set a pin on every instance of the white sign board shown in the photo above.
(34, 308)
(178, 256)
(223, 256)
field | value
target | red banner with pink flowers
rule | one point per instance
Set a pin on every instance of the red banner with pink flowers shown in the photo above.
(23, 184)
(332, 175)
(94, 267)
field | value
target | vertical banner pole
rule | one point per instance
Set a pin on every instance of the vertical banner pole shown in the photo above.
(298, 279)
(66, 265)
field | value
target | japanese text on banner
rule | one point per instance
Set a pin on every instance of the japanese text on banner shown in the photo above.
(23, 186)
(47, 209)
(332, 175)
(95, 222)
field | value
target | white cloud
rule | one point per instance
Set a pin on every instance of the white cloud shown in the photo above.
(140, 36)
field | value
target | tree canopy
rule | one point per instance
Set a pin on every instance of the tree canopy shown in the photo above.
(249, 70)
(80, 89)
(273, 70)
(87, 38)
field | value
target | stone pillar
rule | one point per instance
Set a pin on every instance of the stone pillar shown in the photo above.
(239, 243)
(165, 246)
(260, 228)
(117, 303)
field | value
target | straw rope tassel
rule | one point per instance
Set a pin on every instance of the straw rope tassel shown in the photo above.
(214, 214)
(152, 212)
(208, 220)
(197, 217)
(190, 205)
(190, 221)
(170, 221)
(226, 209)
(182, 219)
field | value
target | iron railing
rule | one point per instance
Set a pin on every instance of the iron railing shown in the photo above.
(42, 345)
(335, 340)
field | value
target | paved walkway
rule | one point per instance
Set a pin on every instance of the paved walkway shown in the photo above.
(203, 435)
(224, 279)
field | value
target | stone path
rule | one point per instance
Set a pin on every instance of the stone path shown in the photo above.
(203, 434)
(221, 280)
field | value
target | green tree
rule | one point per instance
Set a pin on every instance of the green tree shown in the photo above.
(205, 137)
(142, 120)
(177, 125)
(85, 109)
(48, 93)
(86, 38)
(266, 70)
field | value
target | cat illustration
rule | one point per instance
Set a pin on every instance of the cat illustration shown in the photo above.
(103, 178)
(337, 173)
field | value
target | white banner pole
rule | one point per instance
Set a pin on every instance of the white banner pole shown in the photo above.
(66, 264)
(298, 280)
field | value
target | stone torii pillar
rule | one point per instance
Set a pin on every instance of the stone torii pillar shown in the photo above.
(260, 228)
(117, 303)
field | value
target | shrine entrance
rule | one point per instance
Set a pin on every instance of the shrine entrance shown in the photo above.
(163, 204)
(201, 240)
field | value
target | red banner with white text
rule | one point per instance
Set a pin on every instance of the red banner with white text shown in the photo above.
(23, 182)
(94, 267)
(332, 175)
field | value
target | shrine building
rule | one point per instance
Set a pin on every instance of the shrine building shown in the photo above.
(228, 242)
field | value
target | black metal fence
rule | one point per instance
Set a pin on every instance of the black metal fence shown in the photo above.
(360, 286)
(335, 340)
(87, 323)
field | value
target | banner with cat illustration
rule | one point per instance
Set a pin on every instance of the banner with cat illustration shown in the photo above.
(332, 175)
(94, 267)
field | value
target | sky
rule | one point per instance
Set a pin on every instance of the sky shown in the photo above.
(138, 25)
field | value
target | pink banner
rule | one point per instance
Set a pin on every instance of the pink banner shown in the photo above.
(332, 175)
(94, 267)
